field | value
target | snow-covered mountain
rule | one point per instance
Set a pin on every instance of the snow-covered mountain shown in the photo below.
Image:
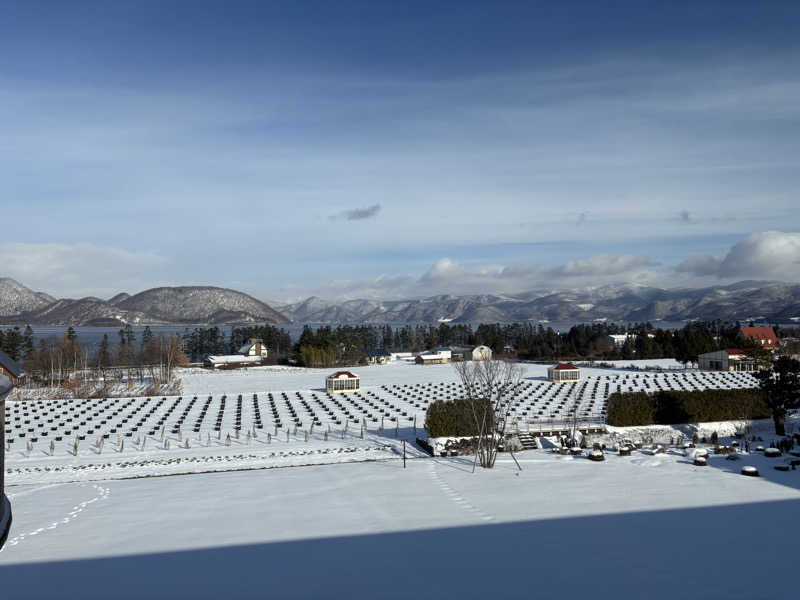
(201, 304)
(158, 306)
(779, 302)
(15, 298)
(626, 302)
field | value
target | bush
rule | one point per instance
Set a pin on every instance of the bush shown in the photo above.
(671, 407)
(634, 408)
(456, 418)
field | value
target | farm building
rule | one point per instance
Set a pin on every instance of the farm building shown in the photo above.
(253, 347)
(763, 336)
(731, 359)
(564, 373)
(619, 339)
(434, 358)
(482, 353)
(342, 382)
(10, 368)
(231, 361)
(378, 357)
(250, 354)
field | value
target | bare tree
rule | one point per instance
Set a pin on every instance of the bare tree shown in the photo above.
(489, 385)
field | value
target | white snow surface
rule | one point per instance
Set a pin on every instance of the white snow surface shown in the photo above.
(346, 519)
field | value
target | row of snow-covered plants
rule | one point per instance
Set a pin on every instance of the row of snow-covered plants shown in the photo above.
(137, 424)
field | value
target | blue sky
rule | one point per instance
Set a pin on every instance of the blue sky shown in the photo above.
(352, 149)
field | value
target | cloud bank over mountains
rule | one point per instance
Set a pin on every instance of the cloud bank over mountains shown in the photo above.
(764, 255)
(769, 255)
(84, 269)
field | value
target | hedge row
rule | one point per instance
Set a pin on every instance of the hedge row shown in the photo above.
(670, 407)
(454, 418)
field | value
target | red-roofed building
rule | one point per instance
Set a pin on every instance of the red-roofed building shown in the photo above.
(342, 382)
(564, 373)
(763, 336)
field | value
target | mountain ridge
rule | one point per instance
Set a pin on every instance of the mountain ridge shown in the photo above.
(210, 305)
(181, 305)
(624, 302)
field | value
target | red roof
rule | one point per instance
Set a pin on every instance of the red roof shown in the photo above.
(734, 351)
(347, 374)
(761, 333)
(565, 367)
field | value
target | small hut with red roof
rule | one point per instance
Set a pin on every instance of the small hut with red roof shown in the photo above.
(342, 382)
(564, 373)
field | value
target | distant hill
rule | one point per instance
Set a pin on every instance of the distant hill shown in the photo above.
(158, 306)
(201, 305)
(745, 300)
(15, 298)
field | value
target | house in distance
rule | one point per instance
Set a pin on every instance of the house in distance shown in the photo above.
(10, 368)
(730, 359)
(252, 353)
(763, 336)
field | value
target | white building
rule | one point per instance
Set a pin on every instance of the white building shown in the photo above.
(564, 373)
(482, 353)
(619, 339)
(250, 354)
(253, 347)
(231, 361)
(731, 359)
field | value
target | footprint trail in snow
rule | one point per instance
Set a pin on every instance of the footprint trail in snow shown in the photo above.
(102, 494)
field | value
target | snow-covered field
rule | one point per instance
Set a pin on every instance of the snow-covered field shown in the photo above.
(349, 521)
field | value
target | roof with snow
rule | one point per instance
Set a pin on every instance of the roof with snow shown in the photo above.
(9, 364)
(343, 375)
(565, 367)
(233, 359)
(761, 333)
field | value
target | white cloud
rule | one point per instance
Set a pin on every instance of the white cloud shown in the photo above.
(602, 265)
(78, 270)
(447, 276)
(761, 255)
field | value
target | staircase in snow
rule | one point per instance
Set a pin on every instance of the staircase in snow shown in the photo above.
(528, 441)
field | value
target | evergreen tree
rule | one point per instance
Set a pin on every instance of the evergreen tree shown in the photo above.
(27, 341)
(781, 386)
(103, 353)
